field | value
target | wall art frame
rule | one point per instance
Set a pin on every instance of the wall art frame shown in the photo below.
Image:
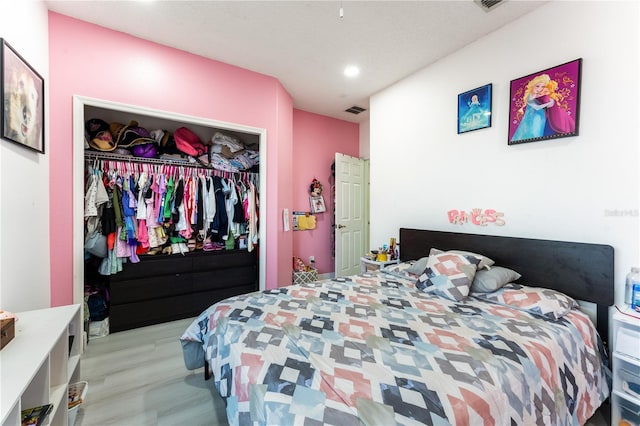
(317, 204)
(474, 109)
(22, 92)
(546, 104)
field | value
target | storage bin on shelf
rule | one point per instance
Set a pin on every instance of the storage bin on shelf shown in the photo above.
(624, 411)
(305, 277)
(77, 394)
(7, 331)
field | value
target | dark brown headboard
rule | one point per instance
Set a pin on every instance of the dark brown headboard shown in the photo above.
(581, 270)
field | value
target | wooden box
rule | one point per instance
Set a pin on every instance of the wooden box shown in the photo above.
(7, 331)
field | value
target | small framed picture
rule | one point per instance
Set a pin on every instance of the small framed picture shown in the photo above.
(474, 109)
(23, 95)
(546, 104)
(317, 204)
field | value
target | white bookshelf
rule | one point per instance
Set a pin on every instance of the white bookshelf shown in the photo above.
(37, 366)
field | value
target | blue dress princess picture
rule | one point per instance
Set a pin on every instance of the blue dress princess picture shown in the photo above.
(534, 119)
(474, 109)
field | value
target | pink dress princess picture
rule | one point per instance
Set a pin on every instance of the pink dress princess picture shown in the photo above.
(559, 119)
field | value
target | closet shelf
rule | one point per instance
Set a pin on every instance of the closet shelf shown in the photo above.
(110, 156)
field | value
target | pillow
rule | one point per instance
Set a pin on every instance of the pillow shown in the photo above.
(418, 266)
(485, 262)
(449, 275)
(493, 279)
(401, 270)
(539, 301)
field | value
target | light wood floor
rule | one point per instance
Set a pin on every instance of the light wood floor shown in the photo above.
(138, 377)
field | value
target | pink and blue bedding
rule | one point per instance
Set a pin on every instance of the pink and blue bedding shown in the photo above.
(373, 349)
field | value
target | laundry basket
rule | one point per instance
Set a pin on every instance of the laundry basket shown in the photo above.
(77, 394)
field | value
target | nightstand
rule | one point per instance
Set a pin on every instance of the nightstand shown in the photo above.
(367, 265)
(625, 398)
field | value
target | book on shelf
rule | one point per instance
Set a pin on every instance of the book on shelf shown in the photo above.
(75, 394)
(36, 416)
(71, 337)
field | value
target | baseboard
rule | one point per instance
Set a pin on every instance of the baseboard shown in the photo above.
(326, 276)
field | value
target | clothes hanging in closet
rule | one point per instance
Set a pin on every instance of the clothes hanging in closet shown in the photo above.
(146, 209)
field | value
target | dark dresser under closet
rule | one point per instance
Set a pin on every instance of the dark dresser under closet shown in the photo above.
(167, 288)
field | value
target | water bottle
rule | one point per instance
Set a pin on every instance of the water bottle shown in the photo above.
(635, 296)
(633, 277)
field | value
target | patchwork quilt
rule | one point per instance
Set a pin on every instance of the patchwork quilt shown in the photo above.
(372, 349)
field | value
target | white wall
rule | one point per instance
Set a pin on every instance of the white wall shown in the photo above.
(24, 177)
(365, 138)
(562, 189)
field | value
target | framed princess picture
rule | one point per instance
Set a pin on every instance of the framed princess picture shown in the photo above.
(474, 109)
(546, 104)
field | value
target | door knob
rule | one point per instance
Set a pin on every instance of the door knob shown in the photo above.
(341, 226)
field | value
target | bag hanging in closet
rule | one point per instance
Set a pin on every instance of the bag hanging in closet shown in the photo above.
(96, 244)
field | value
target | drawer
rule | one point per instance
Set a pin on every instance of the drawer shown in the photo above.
(223, 259)
(223, 278)
(148, 312)
(627, 338)
(153, 266)
(624, 410)
(626, 376)
(149, 288)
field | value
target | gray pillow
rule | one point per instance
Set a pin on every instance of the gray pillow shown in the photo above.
(487, 281)
(419, 266)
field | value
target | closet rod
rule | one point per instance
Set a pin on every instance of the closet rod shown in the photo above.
(94, 155)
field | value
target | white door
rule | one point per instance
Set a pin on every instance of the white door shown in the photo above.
(350, 214)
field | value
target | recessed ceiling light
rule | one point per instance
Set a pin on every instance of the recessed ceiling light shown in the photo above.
(351, 71)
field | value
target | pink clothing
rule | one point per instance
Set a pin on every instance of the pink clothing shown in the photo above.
(143, 234)
(559, 119)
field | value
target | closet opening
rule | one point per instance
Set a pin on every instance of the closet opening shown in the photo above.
(200, 265)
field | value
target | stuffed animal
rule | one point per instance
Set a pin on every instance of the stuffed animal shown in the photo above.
(315, 188)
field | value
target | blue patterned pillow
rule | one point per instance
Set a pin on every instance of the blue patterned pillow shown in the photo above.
(449, 275)
(536, 300)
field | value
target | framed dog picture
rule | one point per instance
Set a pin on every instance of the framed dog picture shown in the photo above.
(23, 95)
(546, 104)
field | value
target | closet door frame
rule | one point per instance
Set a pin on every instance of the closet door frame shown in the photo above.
(79, 107)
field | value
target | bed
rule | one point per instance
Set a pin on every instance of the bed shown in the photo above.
(395, 347)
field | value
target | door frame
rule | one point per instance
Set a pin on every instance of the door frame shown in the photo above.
(366, 183)
(367, 204)
(79, 104)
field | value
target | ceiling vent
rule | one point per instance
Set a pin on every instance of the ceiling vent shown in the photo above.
(488, 5)
(355, 110)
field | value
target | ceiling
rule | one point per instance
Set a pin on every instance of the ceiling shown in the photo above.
(306, 44)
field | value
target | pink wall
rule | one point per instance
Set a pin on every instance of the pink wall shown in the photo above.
(316, 139)
(92, 61)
